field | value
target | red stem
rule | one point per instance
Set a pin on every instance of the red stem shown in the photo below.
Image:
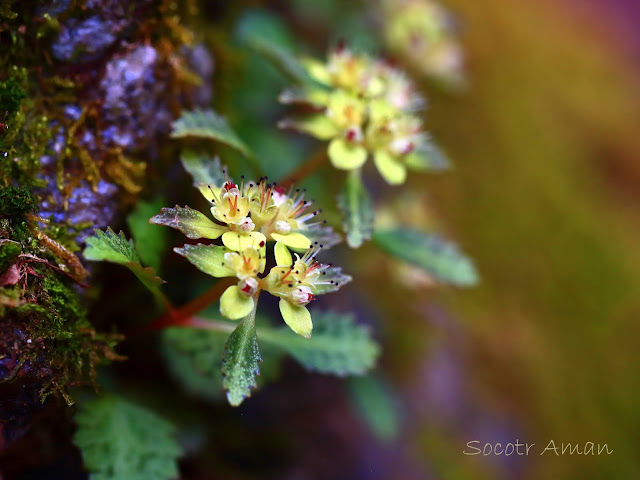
(307, 168)
(182, 317)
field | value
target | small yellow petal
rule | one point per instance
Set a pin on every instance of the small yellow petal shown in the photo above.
(393, 171)
(292, 240)
(234, 304)
(205, 190)
(317, 70)
(283, 255)
(346, 156)
(238, 242)
(318, 126)
(298, 318)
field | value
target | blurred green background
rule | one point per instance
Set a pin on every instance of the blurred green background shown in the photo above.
(545, 197)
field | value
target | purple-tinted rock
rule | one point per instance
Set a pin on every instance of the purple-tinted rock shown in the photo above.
(134, 104)
(86, 39)
(83, 206)
(53, 8)
(201, 62)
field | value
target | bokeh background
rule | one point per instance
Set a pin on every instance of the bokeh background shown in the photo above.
(545, 197)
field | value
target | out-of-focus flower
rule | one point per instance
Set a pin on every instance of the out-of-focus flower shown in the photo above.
(421, 32)
(365, 108)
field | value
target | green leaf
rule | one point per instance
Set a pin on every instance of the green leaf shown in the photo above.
(318, 126)
(209, 125)
(438, 257)
(190, 222)
(208, 258)
(120, 440)
(271, 39)
(194, 358)
(151, 242)
(281, 58)
(204, 169)
(338, 345)
(372, 400)
(240, 361)
(357, 210)
(428, 157)
(109, 247)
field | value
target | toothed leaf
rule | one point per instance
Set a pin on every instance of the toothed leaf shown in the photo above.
(338, 345)
(150, 241)
(428, 157)
(119, 440)
(209, 125)
(192, 223)
(440, 258)
(204, 169)
(110, 247)
(208, 258)
(240, 361)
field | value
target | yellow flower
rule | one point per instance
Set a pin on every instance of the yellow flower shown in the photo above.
(231, 206)
(251, 210)
(251, 214)
(367, 110)
(299, 282)
(420, 32)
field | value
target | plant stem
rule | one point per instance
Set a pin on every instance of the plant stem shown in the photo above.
(206, 299)
(307, 168)
(182, 317)
(215, 325)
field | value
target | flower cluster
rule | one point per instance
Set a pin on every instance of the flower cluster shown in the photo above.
(421, 32)
(363, 107)
(248, 216)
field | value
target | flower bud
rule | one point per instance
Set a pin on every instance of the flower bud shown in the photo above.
(246, 225)
(302, 295)
(283, 227)
(248, 286)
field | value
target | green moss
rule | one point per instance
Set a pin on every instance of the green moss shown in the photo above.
(11, 94)
(9, 251)
(16, 202)
(6, 11)
(62, 302)
(59, 325)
